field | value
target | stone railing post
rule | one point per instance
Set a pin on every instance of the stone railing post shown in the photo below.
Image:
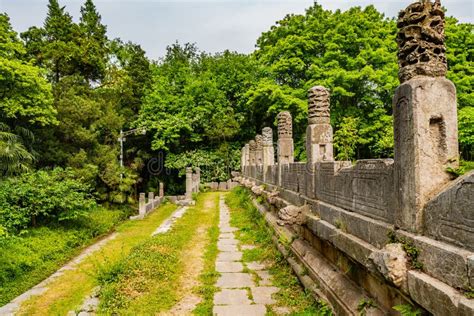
(151, 199)
(319, 131)
(252, 152)
(189, 183)
(247, 157)
(424, 110)
(268, 151)
(142, 205)
(242, 159)
(198, 178)
(258, 150)
(285, 138)
(162, 189)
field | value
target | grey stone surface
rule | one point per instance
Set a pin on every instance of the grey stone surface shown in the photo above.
(247, 247)
(229, 266)
(234, 310)
(449, 216)
(285, 138)
(228, 230)
(263, 294)
(234, 280)
(265, 277)
(293, 214)
(227, 241)
(434, 295)
(392, 262)
(231, 297)
(227, 248)
(226, 236)
(168, 223)
(470, 270)
(255, 266)
(426, 143)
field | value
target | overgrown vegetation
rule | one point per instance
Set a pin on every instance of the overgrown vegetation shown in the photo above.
(407, 310)
(146, 281)
(364, 305)
(67, 292)
(31, 257)
(409, 247)
(254, 230)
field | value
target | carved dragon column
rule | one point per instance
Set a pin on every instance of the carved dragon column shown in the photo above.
(285, 143)
(424, 108)
(268, 151)
(318, 135)
(319, 131)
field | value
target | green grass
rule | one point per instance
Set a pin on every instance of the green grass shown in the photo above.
(209, 276)
(253, 229)
(147, 280)
(28, 259)
(68, 291)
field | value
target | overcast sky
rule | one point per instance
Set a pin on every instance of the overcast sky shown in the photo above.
(214, 25)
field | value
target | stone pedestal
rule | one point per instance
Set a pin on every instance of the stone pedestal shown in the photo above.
(285, 138)
(426, 143)
(319, 143)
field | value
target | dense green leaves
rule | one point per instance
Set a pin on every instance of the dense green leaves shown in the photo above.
(43, 196)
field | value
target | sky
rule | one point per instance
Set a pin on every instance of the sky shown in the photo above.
(214, 25)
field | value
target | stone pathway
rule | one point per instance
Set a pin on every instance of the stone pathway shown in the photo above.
(12, 307)
(243, 290)
(166, 226)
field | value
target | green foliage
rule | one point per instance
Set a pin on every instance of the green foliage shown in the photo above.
(466, 131)
(346, 138)
(24, 93)
(43, 196)
(29, 258)
(364, 305)
(407, 310)
(254, 230)
(15, 156)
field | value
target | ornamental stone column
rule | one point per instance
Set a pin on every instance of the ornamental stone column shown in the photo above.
(242, 159)
(162, 189)
(319, 131)
(285, 138)
(247, 154)
(268, 151)
(258, 150)
(252, 152)
(424, 109)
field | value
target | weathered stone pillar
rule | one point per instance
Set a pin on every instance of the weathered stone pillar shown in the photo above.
(319, 131)
(268, 151)
(424, 108)
(151, 199)
(189, 183)
(252, 152)
(198, 178)
(142, 205)
(285, 138)
(258, 150)
(162, 189)
(242, 159)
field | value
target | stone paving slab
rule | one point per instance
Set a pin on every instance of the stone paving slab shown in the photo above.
(266, 278)
(236, 310)
(166, 225)
(227, 241)
(227, 248)
(231, 297)
(234, 280)
(263, 294)
(229, 266)
(228, 230)
(229, 256)
(247, 247)
(256, 266)
(226, 236)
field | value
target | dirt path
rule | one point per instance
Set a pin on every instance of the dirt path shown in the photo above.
(193, 267)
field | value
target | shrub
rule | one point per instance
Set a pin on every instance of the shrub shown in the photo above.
(43, 196)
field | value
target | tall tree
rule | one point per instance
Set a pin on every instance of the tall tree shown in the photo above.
(92, 42)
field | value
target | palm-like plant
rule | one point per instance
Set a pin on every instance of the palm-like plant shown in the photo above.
(15, 157)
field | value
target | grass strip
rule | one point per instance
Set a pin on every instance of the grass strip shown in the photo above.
(209, 275)
(253, 230)
(68, 291)
(147, 280)
(28, 259)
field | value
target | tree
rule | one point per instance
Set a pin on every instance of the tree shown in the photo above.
(92, 43)
(25, 96)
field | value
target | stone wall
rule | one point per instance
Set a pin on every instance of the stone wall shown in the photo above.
(398, 231)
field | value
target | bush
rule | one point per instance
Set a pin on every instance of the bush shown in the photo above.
(43, 196)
